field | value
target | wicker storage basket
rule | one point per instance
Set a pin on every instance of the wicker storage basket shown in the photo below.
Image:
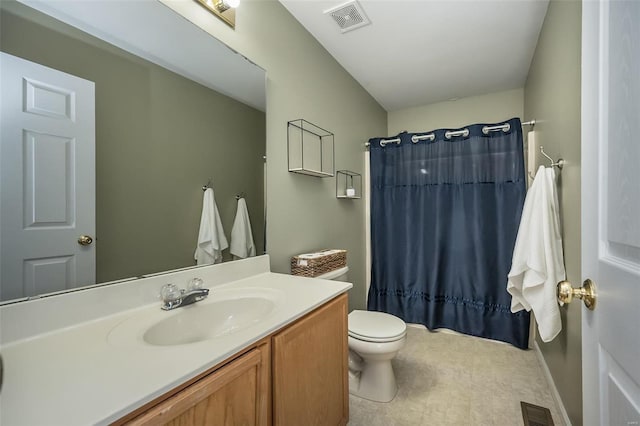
(314, 264)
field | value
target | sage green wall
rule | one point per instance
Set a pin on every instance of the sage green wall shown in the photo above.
(489, 108)
(304, 81)
(552, 97)
(159, 138)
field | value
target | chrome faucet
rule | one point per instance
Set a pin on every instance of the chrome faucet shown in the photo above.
(174, 297)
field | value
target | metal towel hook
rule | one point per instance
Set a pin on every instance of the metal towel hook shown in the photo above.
(208, 184)
(557, 164)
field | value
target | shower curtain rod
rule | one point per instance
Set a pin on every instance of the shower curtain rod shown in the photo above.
(430, 136)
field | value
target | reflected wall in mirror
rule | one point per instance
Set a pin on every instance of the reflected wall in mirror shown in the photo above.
(159, 137)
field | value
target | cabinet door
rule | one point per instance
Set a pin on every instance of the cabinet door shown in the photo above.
(310, 369)
(236, 394)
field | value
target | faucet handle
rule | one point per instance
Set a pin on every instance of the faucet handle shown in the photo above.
(194, 284)
(170, 292)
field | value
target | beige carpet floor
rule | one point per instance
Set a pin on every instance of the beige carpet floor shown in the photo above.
(451, 379)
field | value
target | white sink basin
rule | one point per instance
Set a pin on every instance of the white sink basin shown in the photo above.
(196, 322)
(224, 312)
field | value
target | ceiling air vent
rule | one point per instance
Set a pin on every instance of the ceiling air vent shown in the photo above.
(349, 16)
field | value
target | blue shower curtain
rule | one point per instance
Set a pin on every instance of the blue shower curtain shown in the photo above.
(444, 219)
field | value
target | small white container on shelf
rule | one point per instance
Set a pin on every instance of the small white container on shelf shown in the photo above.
(348, 184)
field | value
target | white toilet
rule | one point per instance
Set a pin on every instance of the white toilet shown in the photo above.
(374, 340)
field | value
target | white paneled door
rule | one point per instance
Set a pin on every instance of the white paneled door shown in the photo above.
(47, 186)
(611, 211)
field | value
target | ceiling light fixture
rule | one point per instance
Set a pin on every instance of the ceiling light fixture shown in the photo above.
(222, 5)
(223, 9)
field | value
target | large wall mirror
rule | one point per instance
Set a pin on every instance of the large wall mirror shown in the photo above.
(174, 109)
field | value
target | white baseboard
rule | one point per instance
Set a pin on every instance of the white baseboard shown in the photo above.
(554, 391)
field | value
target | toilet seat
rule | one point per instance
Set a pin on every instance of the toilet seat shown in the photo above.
(377, 327)
(374, 340)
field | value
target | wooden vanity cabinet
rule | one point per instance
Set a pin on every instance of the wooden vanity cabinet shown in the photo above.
(298, 376)
(234, 394)
(310, 369)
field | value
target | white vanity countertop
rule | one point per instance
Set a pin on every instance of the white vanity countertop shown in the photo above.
(77, 375)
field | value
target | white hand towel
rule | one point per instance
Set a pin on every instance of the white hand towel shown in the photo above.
(211, 238)
(537, 264)
(242, 245)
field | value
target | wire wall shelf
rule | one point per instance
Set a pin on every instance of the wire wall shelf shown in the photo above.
(310, 149)
(348, 184)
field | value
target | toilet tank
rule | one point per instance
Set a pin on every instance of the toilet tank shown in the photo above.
(335, 275)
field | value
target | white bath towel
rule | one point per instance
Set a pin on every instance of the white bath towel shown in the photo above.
(211, 238)
(538, 262)
(242, 245)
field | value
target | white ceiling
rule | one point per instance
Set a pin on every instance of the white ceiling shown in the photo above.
(417, 52)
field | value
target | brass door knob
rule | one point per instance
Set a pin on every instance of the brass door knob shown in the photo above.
(587, 293)
(85, 240)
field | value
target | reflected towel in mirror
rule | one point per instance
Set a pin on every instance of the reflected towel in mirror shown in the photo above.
(242, 245)
(211, 238)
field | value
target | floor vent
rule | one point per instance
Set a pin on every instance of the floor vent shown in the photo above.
(534, 415)
(349, 16)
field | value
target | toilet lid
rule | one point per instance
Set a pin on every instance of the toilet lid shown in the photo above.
(375, 326)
